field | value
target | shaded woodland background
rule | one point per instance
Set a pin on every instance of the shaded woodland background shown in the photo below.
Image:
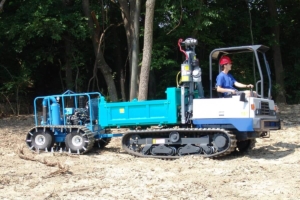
(48, 47)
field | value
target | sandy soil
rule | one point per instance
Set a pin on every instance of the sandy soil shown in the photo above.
(270, 171)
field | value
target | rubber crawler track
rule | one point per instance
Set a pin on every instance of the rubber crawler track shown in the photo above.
(87, 133)
(152, 133)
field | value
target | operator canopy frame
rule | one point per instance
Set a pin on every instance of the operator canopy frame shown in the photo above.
(216, 54)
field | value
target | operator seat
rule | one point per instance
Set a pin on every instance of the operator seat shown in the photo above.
(221, 95)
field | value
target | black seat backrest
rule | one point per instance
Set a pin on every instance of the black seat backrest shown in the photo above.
(220, 94)
(215, 93)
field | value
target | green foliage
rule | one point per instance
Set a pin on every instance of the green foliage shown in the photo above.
(291, 83)
(38, 19)
(38, 34)
(20, 81)
(165, 69)
(34, 34)
(161, 56)
(15, 86)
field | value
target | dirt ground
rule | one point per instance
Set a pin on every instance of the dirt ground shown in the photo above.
(270, 171)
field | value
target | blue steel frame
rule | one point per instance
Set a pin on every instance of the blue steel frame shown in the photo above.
(60, 119)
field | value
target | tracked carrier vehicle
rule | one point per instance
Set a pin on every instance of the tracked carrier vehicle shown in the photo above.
(185, 123)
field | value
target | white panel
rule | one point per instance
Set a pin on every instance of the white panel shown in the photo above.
(220, 108)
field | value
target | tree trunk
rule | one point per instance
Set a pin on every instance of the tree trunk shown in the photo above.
(198, 20)
(125, 11)
(68, 67)
(106, 71)
(279, 73)
(135, 51)
(152, 85)
(147, 52)
(130, 14)
(119, 63)
(104, 68)
(68, 53)
(1, 5)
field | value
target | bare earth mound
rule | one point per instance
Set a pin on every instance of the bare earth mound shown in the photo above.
(270, 171)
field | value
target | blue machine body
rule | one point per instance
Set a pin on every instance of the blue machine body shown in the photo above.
(58, 113)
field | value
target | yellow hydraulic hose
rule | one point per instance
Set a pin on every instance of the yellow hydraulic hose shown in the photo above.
(178, 82)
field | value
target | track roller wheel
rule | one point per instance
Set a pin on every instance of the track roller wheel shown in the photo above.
(220, 141)
(209, 150)
(37, 139)
(174, 151)
(77, 142)
(174, 136)
(133, 142)
(189, 149)
(152, 152)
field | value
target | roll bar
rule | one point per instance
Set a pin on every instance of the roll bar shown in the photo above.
(216, 54)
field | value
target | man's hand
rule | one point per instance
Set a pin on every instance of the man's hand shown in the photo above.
(249, 86)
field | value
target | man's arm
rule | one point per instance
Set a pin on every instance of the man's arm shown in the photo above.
(241, 85)
(223, 90)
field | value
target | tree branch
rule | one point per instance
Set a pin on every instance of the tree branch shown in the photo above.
(125, 9)
(179, 20)
(97, 56)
